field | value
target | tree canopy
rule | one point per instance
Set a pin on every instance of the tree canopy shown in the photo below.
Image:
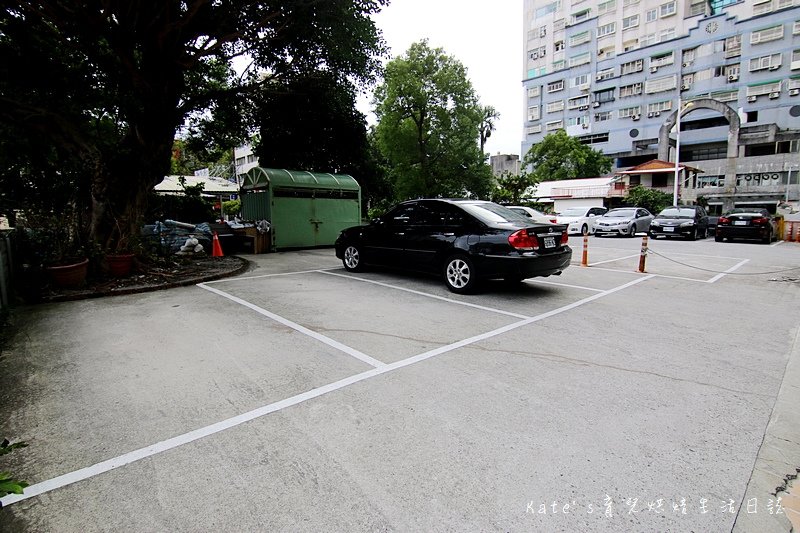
(429, 126)
(107, 86)
(559, 156)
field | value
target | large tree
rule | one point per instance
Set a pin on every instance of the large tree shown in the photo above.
(428, 129)
(559, 157)
(93, 93)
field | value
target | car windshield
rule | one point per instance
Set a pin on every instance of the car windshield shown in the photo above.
(493, 213)
(677, 212)
(573, 212)
(621, 213)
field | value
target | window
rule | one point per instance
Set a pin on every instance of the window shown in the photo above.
(606, 7)
(630, 90)
(627, 3)
(554, 125)
(555, 86)
(764, 88)
(580, 16)
(658, 85)
(762, 7)
(546, 10)
(578, 81)
(651, 15)
(606, 52)
(627, 112)
(687, 80)
(767, 34)
(534, 92)
(594, 139)
(558, 46)
(578, 121)
(533, 130)
(731, 71)
(559, 25)
(796, 27)
(658, 107)
(698, 7)
(559, 65)
(580, 59)
(533, 113)
(554, 107)
(661, 60)
(579, 101)
(733, 46)
(666, 35)
(629, 22)
(606, 95)
(632, 44)
(607, 29)
(602, 116)
(726, 96)
(648, 39)
(632, 66)
(795, 59)
(579, 38)
(604, 74)
(771, 62)
(668, 9)
(542, 31)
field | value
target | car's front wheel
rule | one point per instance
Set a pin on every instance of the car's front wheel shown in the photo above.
(718, 238)
(459, 274)
(584, 230)
(353, 260)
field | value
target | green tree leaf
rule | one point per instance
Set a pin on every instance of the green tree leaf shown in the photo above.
(559, 157)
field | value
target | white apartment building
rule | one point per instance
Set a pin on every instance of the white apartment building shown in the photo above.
(613, 74)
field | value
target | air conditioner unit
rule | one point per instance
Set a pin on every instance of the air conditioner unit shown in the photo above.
(635, 117)
(585, 126)
(752, 99)
(774, 67)
(773, 96)
(599, 77)
(733, 77)
(583, 108)
(657, 114)
(596, 104)
(653, 70)
(685, 87)
(687, 64)
(794, 92)
(650, 115)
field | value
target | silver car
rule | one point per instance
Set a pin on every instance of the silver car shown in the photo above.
(626, 221)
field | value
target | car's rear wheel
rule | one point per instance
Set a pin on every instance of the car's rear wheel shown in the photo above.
(353, 260)
(459, 274)
(718, 238)
(768, 238)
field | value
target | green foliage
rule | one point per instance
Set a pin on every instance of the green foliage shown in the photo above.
(559, 156)
(651, 199)
(511, 188)
(232, 207)
(429, 124)
(129, 75)
(190, 207)
(9, 485)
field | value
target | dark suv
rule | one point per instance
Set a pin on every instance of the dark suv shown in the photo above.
(688, 221)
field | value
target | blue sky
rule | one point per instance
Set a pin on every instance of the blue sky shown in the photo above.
(485, 36)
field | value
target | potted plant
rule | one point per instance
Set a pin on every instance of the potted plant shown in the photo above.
(121, 251)
(54, 243)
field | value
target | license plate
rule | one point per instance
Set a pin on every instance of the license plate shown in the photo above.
(549, 242)
(668, 229)
(739, 222)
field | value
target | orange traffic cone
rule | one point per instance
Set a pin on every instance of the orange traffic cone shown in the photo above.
(216, 248)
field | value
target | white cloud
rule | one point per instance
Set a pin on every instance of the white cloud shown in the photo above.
(485, 36)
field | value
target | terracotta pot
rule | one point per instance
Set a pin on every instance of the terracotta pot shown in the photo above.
(68, 276)
(119, 265)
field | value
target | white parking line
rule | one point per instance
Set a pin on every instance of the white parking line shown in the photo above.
(297, 327)
(260, 276)
(731, 269)
(544, 282)
(154, 449)
(613, 260)
(427, 295)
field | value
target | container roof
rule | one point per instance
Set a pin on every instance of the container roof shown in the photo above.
(263, 178)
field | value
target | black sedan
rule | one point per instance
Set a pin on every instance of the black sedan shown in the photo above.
(688, 221)
(747, 223)
(463, 240)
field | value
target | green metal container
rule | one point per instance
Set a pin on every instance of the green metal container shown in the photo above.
(305, 209)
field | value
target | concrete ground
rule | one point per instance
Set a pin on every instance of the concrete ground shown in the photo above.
(299, 397)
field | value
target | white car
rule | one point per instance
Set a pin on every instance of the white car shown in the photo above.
(580, 220)
(530, 212)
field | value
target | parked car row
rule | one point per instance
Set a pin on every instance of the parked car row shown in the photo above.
(466, 241)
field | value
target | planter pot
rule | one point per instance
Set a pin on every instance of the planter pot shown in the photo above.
(119, 265)
(68, 276)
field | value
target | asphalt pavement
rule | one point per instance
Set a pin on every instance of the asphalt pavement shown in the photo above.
(299, 397)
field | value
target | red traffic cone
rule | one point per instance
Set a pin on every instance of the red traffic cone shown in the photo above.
(216, 247)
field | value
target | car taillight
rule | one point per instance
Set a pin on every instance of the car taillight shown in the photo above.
(564, 238)
(760, 221)
(554, 220)
(724, 220)
(522, 241)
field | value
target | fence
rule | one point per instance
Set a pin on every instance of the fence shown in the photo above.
(6, 269)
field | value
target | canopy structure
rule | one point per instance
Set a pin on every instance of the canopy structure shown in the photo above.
(265, 178)
(211, 185)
